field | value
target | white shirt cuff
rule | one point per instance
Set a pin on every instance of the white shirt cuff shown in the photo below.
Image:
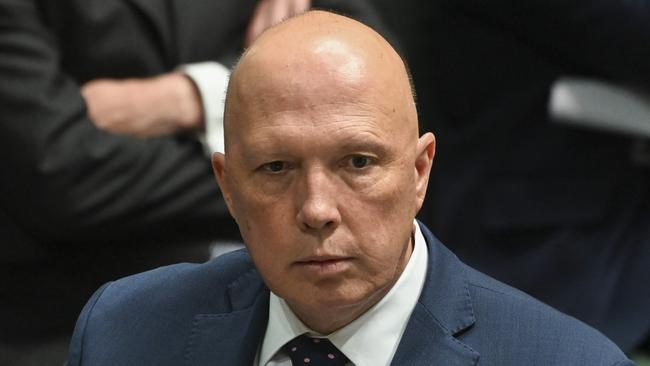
(211, 79)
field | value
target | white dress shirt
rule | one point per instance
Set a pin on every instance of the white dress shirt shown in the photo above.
(211, 80)
(371, 339)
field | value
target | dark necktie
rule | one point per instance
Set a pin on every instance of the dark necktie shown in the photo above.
(304, 350)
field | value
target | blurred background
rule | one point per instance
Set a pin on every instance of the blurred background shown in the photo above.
(541, 177)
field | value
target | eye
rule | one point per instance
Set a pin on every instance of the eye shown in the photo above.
(360, 161)
(274, 166)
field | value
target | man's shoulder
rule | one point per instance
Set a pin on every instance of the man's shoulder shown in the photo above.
(503, 325)
(158, 309)
(509, 319)
(184, 284)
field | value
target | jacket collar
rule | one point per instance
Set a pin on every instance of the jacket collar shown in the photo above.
(232, 338)
(443, 311)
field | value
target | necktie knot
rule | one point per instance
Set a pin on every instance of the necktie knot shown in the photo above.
(304, 350)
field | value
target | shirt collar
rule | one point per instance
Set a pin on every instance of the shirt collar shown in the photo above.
(371, 339)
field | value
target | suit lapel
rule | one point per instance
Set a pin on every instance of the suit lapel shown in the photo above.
(231, 338)
(444, 310)
(425, 342)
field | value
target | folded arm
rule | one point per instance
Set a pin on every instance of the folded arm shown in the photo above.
(65, 180)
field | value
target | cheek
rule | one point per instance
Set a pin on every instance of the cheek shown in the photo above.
(263, 224)
(387, 203)
(257, 208)
(383, 221)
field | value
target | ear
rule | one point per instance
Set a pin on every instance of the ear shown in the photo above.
(220, 173)
(425, 151)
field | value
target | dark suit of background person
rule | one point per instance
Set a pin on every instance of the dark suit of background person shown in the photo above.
(79, 206)
(462, 318)
(559, 212)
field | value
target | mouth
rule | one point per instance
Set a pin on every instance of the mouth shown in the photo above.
(324, 265)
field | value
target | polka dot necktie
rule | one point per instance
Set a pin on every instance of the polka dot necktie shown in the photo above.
(304, 350)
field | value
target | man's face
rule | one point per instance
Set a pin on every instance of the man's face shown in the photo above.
(324, 184)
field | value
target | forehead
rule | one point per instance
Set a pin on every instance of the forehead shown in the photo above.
(325, 89)
(344, 126)
(323, 68)
(270, 82)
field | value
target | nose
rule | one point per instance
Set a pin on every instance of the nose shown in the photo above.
(319, 207)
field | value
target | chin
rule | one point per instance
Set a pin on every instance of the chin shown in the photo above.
(338, 298)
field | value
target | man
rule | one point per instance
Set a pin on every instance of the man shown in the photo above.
(80, 205)
(324, 173)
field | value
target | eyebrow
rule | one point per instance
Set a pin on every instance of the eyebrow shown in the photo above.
(357, 144)
(347, 144)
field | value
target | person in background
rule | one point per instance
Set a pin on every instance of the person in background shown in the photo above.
(104, 106)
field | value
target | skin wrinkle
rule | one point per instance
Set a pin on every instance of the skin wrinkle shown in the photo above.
(361, 112)
(312, 94)
(275, 139)
(269, 97)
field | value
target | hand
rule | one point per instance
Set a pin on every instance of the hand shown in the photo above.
(271, 12)
(145, 107)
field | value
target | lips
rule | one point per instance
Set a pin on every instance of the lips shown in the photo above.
(324, 264)
(322, 258)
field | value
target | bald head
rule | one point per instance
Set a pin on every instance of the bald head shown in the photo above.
(320, 58)
(323, 160)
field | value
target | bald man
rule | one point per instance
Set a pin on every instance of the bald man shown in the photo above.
(324, 173)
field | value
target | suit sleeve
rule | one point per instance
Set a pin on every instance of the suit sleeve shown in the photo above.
(601, 37)
(65, 180)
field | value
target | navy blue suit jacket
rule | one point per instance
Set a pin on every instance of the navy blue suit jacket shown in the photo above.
(216, 314)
